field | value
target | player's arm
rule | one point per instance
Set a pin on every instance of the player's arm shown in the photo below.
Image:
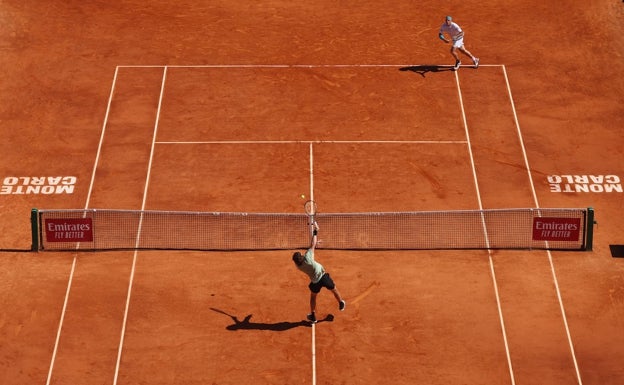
(441, 36)
(314, 240)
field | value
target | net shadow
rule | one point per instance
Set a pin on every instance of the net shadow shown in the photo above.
(617, 251)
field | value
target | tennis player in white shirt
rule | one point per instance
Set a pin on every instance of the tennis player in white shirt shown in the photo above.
(457, 38)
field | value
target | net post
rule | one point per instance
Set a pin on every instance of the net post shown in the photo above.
(589, 232)
(34, 228)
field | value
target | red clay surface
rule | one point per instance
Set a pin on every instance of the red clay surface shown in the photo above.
(83, 78)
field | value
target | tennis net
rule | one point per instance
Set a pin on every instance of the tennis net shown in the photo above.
(91, 229)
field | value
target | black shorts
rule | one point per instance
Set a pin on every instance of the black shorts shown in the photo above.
(325, 281)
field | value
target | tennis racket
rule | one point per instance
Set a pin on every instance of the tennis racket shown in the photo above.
(310, 209)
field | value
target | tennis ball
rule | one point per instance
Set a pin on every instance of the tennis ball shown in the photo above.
(302, 196)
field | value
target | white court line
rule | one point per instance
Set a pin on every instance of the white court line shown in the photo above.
(73, 267)
(491, 261)
(296, 65)
(60, 327)
(318, 142)
(313, 325)
(313, 354)
(134, 259)
(550, 260)
(311, 172)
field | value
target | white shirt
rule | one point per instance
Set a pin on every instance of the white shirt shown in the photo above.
(453, 30)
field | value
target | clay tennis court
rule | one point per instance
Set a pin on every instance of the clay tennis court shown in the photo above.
(239, 107)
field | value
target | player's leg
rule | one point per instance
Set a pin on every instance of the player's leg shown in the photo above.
(336, 294)
(329, 284)
(341, 302)
(313, 302)
(454, 53)
(456, 56)
(312, 316)
(475, 60)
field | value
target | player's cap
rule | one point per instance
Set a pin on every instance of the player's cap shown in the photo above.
(449, 18)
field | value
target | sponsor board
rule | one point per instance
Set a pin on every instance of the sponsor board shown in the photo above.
(69, 230)
(556, 229)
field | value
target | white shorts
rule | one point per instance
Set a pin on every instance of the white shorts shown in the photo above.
(458, 43)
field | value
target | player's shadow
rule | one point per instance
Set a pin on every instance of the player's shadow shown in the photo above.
(246, 324)
(424, 69)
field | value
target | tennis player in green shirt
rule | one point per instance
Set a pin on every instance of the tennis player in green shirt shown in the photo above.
(318, 277)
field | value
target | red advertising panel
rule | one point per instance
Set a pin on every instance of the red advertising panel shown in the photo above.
(556, 229)
(69, 230)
